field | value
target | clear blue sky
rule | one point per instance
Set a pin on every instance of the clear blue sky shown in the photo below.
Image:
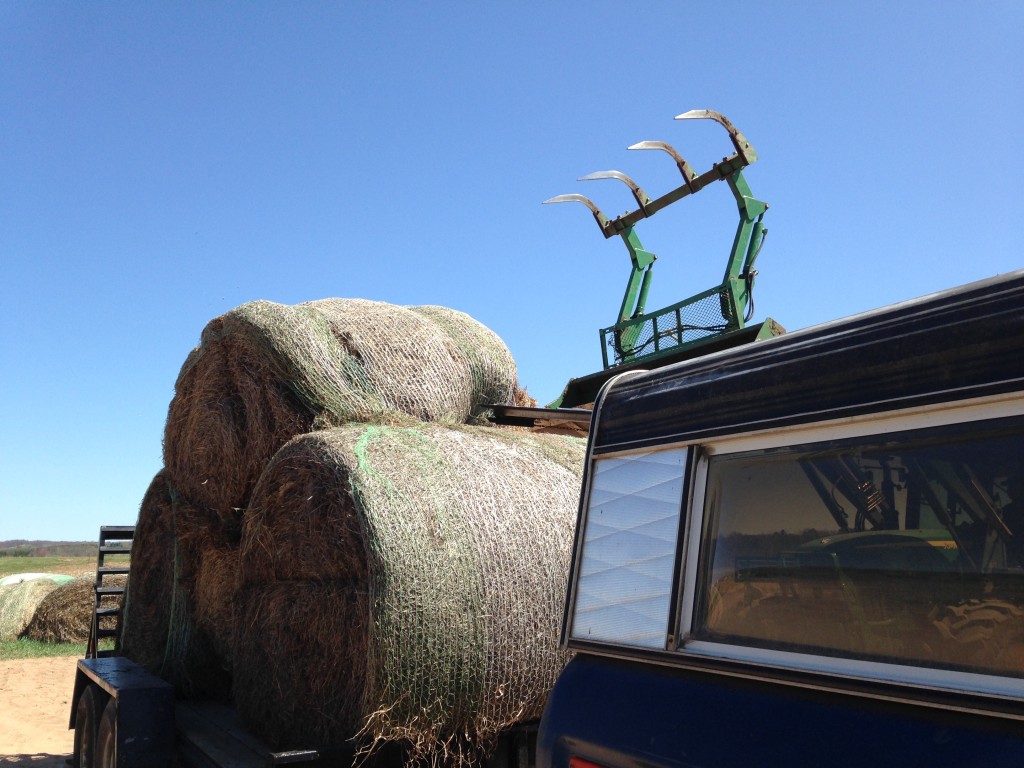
(161, 163)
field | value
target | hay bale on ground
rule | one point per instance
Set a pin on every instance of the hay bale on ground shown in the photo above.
(412, 579)
(65, 614)
(266, 372)
(18, 603)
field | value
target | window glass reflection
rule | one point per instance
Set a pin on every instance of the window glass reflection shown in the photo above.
(897, 549)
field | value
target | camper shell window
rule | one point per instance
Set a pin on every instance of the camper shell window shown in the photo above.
(902, 549)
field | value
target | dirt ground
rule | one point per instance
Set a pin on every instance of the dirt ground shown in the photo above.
(35, 696)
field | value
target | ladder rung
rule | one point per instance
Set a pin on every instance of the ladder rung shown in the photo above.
(106, 633)
(101, 612)
(109, 590)
(105, 550)
(112, 570)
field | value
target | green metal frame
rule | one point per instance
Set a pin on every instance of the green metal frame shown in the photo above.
(668, 331)
(638, 335)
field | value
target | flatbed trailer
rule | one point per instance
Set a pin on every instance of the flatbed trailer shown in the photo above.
(126, 717)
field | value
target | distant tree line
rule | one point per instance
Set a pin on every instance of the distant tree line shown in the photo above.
(48, 549)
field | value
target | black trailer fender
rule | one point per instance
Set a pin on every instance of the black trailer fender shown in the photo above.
(138, 710)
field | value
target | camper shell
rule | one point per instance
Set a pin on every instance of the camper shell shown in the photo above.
(808, 550)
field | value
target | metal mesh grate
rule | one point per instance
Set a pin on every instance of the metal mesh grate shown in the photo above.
(706, 314)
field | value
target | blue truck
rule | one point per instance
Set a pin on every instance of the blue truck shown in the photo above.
(806, 551)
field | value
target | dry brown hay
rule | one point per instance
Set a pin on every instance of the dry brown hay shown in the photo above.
(18, 603)
(159, 628)
(65, 614)
(266, 372)
(215, 598)
(301, 656)
(444, 552)
(151, 582)
(194, 661)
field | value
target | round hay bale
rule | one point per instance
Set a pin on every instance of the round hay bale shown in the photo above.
(167, 627)
(18, 603)
(265, 372)
(192, 659)
(148, 599)
(65, 614)
(447, 551)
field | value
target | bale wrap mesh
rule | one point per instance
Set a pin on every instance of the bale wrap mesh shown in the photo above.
(265, 372)
(440, 556)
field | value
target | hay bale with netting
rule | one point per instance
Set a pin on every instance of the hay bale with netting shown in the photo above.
(490, 361)
(411, 580)
(18, 603)
(266, 372)
(65, 614)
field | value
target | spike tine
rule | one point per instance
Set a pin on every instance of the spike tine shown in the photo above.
(602, 220)
(743, 147)
(566, 199)
(642, 197)
(684, 167)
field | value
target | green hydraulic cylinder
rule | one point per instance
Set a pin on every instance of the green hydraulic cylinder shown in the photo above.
(635, 298)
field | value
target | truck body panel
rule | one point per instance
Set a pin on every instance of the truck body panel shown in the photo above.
(807, 550)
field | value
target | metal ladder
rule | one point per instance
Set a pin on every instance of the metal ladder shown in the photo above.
(115, 542)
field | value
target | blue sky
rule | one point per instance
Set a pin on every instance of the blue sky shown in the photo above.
(162, 163)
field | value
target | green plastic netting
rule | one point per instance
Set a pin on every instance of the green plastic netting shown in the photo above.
(265, 372)
(409, 582)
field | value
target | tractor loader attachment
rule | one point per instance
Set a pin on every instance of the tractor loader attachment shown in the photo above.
(675, 332)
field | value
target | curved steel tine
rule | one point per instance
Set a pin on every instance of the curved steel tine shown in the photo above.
(743, 147)
(641, 197)
(684, 167)
(602, 220)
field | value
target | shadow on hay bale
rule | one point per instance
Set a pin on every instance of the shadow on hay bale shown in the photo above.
(215, 599)
(65, 614)
(411, 579)
(168, 628)
(18, 603)
(265, 372)
(147, 608)
(302, 655)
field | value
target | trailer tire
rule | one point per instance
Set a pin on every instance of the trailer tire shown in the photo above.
(106, 737)
(85, 728)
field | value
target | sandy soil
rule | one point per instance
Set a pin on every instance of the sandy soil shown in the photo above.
(35, 701)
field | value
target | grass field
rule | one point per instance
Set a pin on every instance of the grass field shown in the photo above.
(72, 566)
(32, 649)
